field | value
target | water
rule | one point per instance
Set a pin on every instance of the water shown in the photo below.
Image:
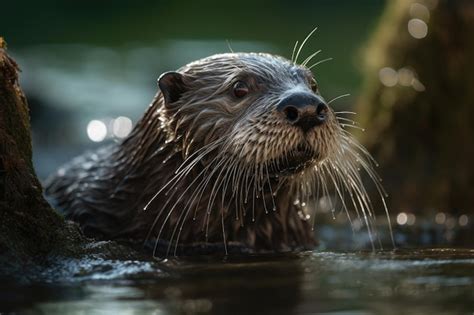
(430, 281)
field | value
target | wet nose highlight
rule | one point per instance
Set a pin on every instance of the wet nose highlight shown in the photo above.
(304, 110)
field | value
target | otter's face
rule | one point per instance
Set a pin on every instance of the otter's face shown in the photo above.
(263, 110)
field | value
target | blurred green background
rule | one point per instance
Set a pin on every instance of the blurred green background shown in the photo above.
(96, 60)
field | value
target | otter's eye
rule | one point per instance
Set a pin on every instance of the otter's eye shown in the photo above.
(314, 85)
(240, 89)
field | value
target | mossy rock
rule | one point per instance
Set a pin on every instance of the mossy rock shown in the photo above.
(32, 234)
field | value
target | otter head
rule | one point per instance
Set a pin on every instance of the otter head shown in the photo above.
(258, 110)
(254, 134)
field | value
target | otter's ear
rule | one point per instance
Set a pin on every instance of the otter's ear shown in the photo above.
(172, 86)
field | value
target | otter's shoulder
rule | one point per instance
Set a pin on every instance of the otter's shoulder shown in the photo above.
(64, 188)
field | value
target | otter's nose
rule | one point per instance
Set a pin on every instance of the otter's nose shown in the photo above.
(303, 110)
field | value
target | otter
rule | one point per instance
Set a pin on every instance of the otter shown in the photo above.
(223, 158)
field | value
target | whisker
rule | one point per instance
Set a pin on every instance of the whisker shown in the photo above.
(352, 126)
(228, 46)
(303, 43)
(180, 172)
(293, 53)
(170, 211)
(345, 112)
(310, 57)
(352, 122)
(338, 97)
(319, 62)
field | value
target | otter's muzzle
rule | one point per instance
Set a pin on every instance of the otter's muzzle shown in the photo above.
(303, 110)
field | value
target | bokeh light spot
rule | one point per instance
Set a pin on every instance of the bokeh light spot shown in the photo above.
(417, 28)
(122, 126)
(96, 130)
(411, 219)
(440, 218)
(402, 218)
(405, 77)
(418, 10)
(463, 220)
(388, 76)
(417, 85)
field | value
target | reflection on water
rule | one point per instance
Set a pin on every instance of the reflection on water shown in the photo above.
(403, 282)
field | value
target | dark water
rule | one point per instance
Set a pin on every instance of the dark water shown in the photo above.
(432, 281)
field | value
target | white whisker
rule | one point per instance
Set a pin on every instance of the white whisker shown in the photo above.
(338, 97)
(319, 62)
(303, 43)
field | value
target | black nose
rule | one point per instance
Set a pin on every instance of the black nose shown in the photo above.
(304, 110)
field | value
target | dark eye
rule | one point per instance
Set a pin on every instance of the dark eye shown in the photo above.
(240, 89)
(314, 85)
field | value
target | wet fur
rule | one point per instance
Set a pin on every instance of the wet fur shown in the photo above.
(203, 168)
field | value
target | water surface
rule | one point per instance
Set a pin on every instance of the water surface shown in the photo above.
(430, 281)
